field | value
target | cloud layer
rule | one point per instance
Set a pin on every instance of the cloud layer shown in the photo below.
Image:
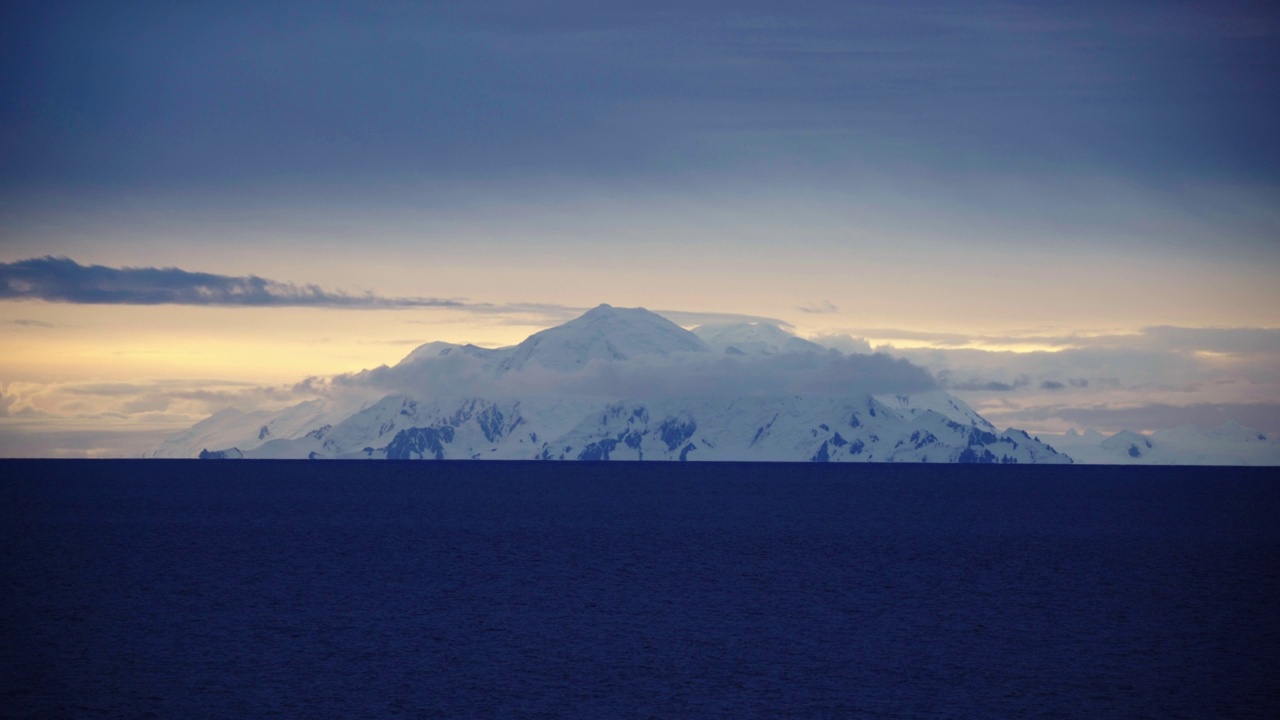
(647, 377)
(64, 280)
(1158, 377)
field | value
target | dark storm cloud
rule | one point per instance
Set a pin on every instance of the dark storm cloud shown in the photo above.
(63, 280)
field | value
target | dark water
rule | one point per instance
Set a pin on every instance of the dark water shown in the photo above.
(140, 589)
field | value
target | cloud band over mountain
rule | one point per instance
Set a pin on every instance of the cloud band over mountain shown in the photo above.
(686, 375)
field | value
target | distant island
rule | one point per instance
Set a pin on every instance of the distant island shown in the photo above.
(628, 384)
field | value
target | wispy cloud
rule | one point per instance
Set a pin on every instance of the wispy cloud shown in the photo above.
(55, 279)
(1264, 416)
(820, 307)
(933, 338)
(980, 385)
(62, 280)
(1235, 340)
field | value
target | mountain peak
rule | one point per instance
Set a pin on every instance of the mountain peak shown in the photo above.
(604, 333)
(1234, 431)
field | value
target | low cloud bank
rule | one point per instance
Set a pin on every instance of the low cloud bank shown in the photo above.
(847, 344)
(60, 442)
(162, 403)
(1158, 338)
(1159, 377)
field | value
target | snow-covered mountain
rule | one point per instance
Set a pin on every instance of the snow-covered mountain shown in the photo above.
(485, 404)
(1230, 444)
(916, 404)
(854, 429)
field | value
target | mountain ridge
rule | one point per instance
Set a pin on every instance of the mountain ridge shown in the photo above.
(1227, 444)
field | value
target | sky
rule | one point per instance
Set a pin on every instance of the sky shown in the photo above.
(1068, 212)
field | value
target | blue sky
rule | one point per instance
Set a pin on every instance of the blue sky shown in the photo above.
(982, 169)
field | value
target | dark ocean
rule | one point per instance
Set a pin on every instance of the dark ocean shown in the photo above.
(187, 589)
